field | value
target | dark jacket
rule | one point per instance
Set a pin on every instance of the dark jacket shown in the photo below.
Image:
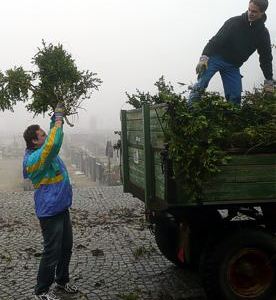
(238, 39)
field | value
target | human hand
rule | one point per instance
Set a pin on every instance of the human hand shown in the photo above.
(59, 112)
(202, 65)
(268, 86)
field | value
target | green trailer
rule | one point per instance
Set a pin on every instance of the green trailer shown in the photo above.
(228, 235)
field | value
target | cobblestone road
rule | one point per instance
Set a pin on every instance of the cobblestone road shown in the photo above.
(114, 257)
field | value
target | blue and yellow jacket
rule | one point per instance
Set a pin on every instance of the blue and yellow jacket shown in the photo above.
(46, 170)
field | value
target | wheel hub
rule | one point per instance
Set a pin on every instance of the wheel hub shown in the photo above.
(250, 273)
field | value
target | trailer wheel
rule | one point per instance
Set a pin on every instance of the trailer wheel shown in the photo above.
(241, 267)
(166, 237)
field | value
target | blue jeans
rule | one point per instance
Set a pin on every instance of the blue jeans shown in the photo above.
(231, 79)
(58, 241)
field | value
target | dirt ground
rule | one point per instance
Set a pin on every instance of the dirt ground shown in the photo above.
(11, 176)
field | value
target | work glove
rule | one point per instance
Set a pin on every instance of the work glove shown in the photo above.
(269, 86)
(202, 65)
(59, 112)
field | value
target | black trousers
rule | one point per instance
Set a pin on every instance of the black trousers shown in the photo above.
(58, 242)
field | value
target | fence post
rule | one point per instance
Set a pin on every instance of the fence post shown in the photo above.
(93, 169)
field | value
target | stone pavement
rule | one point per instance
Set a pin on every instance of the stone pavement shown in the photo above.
(114, 257)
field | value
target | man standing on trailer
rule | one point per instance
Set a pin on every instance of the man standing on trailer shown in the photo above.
(234, 43)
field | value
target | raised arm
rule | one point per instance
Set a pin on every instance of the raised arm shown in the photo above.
(39, 160)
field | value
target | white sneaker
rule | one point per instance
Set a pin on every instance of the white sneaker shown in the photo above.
(67, 288)
(47, 296)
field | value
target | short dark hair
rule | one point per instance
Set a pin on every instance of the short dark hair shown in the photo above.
(262, 4)
(30, 135)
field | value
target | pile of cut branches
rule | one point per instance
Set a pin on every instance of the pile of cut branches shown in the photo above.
(202, 135)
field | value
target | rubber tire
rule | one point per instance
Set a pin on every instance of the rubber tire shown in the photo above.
(215, 257)
(166, 237)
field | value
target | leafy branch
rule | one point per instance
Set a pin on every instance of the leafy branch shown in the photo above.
(56, 78)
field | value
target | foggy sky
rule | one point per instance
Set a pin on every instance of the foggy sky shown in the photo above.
(129, 43)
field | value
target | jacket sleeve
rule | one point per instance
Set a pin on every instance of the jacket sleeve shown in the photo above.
(218, 40)
(40, 159)
(265, 54)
